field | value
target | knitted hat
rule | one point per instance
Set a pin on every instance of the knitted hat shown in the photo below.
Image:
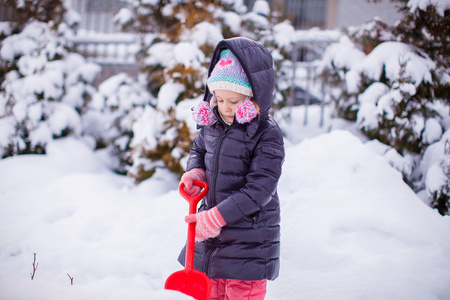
(229, 75)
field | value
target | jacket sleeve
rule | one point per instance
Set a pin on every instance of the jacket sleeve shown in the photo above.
(197, 153)
(261, 181)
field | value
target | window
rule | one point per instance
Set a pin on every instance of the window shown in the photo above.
(100, 6)
(306, 13)
(302, 13)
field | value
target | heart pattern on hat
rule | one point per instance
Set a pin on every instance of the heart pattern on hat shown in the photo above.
(224, 62)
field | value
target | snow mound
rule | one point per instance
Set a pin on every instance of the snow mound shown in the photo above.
(351, 229)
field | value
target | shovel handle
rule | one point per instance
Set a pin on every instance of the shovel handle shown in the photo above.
(193, 201)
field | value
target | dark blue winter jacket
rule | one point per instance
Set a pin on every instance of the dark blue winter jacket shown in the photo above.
(243, 164)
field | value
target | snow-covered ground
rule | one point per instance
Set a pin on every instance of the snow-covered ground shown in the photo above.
(351, 228)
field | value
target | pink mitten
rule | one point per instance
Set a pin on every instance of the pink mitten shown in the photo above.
(209, 223)
(246, 111)
(188, 178)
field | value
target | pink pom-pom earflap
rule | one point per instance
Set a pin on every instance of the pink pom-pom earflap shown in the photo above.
(246, 111)
(203, 114)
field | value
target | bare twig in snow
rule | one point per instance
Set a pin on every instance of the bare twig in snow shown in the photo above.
(71, 279)
(35, 266)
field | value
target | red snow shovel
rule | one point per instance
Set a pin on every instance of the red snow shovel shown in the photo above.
(190, 281)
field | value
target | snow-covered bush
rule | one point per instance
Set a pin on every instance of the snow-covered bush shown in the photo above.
(174, 64)
(262, 25)
(178, 38)
(109, 117)
(174, 61)
(47, 11)
(397, 116)
(161, 138)
(394, 82)
(435, 170)
(44, 90)
(370, 34)
(337, 60)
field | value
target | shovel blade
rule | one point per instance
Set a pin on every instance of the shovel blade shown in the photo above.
(190, 282)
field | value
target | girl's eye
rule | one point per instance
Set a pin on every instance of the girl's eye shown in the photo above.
(234, 102)
(219, 100)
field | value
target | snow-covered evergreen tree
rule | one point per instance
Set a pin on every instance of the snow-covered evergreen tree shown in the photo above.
(177, 40)
(110, 115)
(44, 86)
(434, 171)
(278, 36)
(394, 82)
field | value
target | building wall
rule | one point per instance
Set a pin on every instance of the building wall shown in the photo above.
(344, 13)
(332, 14)
(97, 15)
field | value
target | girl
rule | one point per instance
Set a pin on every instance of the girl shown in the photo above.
(239, 152)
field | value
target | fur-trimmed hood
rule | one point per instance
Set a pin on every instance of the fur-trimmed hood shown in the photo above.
(258, 66)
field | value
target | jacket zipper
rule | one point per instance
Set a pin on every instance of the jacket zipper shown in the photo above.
(213, 200)
(254, 222)
(216, 171)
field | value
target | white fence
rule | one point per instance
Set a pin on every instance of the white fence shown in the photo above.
(115, 53)
(306, 53)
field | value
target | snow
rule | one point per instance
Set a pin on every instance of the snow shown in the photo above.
(284, 34)
(402, 164)
(183, 112)
(41, 135)
(150, 2)
(432, 132)
(146, 129)
(72, 17)
(19, 111)
(361, 234)
(123, 16)
(238, 5)
(435, 160)
(441, 5)
(160, 54)
(367, 116)
(435, 178)
(259, 20)
(231, 19)
(5, 28)
(121, 91)
(7, 125)
(261, 7)
(168, 94)
(87, 72)
(16, 45)
(317, 34)
(63, 117)
(205, 33)
(390, 56)
(343, 54)
(188, 54)
(351, 228)
(29, 40)
(374, 29)
(74, 95)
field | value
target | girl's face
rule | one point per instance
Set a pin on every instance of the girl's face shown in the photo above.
(227, 102)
